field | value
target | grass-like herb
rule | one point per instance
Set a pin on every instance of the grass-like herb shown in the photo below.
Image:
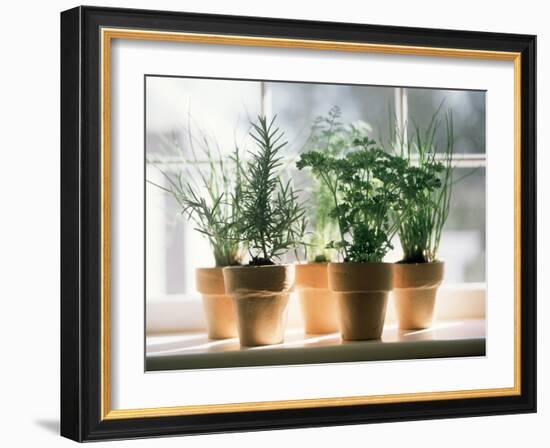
(209, 191)
(425, 211)
(272, 220)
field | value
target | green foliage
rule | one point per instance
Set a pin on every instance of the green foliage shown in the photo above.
(209, 193)
(369, 189)
(426, 210)
(272, 221)
(329, 136)
(363, 189)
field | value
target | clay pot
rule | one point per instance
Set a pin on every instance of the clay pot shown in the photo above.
(415, 288)
(362, 292)
(319, 305)
(260, 297)
(218, 306)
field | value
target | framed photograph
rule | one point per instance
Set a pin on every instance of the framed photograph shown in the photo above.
(273, 223)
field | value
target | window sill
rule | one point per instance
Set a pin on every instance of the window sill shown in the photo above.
(177, 313)
(193, 349)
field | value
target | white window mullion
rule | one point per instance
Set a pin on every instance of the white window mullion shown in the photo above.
(266, 104)
(460, 160)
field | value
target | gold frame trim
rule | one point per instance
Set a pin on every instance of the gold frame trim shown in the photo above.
(107, 35)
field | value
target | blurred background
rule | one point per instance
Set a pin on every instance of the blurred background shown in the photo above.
(182, 110)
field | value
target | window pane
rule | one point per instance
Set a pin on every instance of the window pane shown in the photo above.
(463, 239)
(298, 104)
(468, 115)
(181, 114)
(218, 110)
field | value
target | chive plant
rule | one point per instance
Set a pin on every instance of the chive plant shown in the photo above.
(425, 212)
(208, 189)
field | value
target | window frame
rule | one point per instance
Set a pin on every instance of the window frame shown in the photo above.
(466, 160)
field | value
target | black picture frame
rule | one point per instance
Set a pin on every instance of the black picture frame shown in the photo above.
(81, 210)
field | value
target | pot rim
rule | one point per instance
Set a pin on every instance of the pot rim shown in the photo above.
(368, 263)
(311, 263)
(279, 278)
(353, 277)
(210, 268)
(311, 276)
(209, 281)
(248, 266)
(420, 264)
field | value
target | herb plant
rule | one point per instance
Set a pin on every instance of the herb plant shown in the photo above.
(368, 188)
(209, 191)
(426, 210)
(329, 136)
(272, 220)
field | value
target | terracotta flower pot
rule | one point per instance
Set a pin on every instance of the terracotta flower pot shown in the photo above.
(362, 292)
(319, 305)
(218, 306)
(260, 296)
(415, 288)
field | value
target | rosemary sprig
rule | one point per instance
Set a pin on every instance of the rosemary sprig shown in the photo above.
(272, 220)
